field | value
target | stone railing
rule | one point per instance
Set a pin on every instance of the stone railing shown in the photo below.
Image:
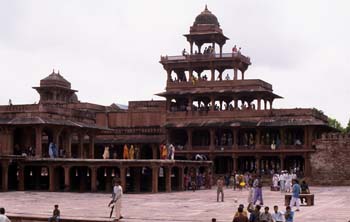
(199, 57)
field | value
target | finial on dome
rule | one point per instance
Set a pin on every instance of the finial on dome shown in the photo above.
(58, 72)
(53, 71)
(206, 8)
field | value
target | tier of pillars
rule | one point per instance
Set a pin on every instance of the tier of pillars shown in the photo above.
(212, 101)
(67, 143)
(199, 46)
(308, 132)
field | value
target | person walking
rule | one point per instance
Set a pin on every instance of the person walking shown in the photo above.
(295, 195)
(117, 199)
(257, 185)
(220, 189)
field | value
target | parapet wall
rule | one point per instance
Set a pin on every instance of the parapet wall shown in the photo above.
(331, 162)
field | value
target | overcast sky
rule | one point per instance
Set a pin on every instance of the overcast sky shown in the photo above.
(110, 50)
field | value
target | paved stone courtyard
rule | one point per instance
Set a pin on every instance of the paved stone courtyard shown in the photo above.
(331, 205)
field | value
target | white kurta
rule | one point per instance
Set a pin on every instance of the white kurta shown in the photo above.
(118, 191)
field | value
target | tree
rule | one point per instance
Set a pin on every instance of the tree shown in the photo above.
(347, 129)
(335, 124)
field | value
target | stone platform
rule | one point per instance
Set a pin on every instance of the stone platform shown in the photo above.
(331, 205)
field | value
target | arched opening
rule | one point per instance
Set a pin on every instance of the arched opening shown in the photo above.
(269, 165)
(46, 138)
(200, 138)
(295, 164)
(246, 164)
(270, 136)
(223, 137)
(178, 137)
(24, 141)
(246, 138)
(294, 136)
(13, 173)
(146, 178)
(146, 152)
(223, 164)
(80, 179)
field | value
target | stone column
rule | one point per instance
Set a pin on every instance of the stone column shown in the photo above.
(265, 104)
(21, 178)
(307, 165)
(235, 163)
(123, 177)
(4, 175)
(66, 178)
(282, 135)
(155, 170)
(38, 142)
(212, 70)
(282, 159)
(257, 163)
(52, 178)
(69, 145)
(212, 139)
(259, 104)
(191, 45)
(169, 75)
(212, 99)
(305, 136)
(271, 102)
(181, 178)
(189, 139)
(235, 138)
(81, 146)
(258, 137)
(92, 146)
(154, 151)
(242, 75)
(93, 179)
(137, 179)
(167, 179)
(235, 73)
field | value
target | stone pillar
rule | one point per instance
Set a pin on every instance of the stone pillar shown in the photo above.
(282, 159)
(93, 179)
(212, 70)
(92, 146)
(69, 145)
(154, 151)
(191, 45)
(38, 142)
(123, 178)
(155, 170)
(307, 165)
(305, 136)
(52, 179)
(242, 75)
(265, 104)
(212, 99)
(21, 178)
(169, 75)
(258, 137)
(235, 138)
(81, 146)
(137, 179)
(181, 178)
(259, 104)
(212, 139)
(189, 105)
(167, 179)
(66, 178)
(257, 163)
(271, 102)
(282, 134)
(235, 163)
(235, 73)
(189, 139)
(4, 175)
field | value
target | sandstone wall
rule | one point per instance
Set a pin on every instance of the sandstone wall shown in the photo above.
(330, 163)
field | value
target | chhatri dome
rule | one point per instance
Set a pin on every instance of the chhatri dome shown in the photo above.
(206, 18)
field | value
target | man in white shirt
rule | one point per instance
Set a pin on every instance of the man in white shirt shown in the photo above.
(3, 217)
(277, 216)
(117, 199)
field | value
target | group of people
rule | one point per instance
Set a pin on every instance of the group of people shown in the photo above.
(128, 153)
(194, 181)
(167, 152)
(26, 152)
(257, 216)
(283, 181)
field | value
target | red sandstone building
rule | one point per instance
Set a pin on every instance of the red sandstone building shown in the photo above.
(211, 110)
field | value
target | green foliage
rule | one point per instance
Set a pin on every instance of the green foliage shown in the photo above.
(347, 129)
(335, 124)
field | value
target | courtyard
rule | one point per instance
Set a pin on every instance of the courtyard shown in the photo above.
(331, 204)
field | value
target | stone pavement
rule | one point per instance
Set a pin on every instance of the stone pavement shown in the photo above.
(331, 205)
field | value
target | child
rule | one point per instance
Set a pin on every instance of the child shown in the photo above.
(55, 215)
